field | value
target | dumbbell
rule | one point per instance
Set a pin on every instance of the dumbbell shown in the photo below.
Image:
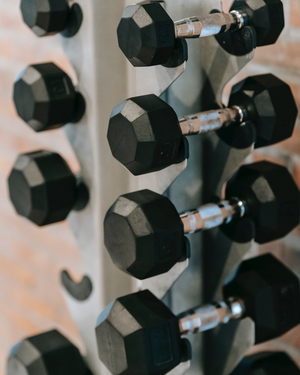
(267, 363)
(138, 334)
(144, 233)
(49, 353)
(49, 17)
(45, 97)
(147, 34)
(145, 134)
(43, 188)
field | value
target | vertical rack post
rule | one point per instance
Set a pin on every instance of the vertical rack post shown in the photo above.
(106, 79)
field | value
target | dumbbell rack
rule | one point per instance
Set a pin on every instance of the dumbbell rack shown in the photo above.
(203, 179)
(209, 68)
(105, 79)
(95, 63)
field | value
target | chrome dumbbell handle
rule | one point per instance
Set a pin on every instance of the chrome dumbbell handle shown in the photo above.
(212, 215)
(208, 121)
(212, 24)
(210, 316)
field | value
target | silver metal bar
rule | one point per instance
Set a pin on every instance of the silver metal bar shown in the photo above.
(212, 24)
(212, 215)
(204, 122)
(210, 67)
(210, 316)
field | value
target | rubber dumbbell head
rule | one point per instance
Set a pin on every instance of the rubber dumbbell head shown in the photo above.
(48, 17)
(151, 344)
(45, 97)
(145, 134)
(144, 234)
(139, 334)
(268, 102)
(43, 189)
(266, 16)
(267, 363)
(147, 34)
(49, 353)
(270, 292)
(135, 225)
(274, 200)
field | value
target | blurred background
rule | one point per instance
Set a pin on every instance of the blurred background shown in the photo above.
(31, 258)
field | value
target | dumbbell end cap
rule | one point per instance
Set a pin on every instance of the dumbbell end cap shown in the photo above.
(146, 35)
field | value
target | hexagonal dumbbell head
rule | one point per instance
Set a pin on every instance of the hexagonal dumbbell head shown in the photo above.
(267, 363)
(147, 228)
(48, 17)
(146, 34)
(43, 189)
(150, 344)
(49, 353)
(45, 97)
(273, 202)
(144, 234)
(270, 292)
(266, 16)
(268, 102)
(144, 134)
(138, 334)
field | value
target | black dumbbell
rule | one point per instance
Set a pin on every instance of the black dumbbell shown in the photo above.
(49, 353)
(147, 34)
(48, 17)
(144, 233)
(43, 189)
(45, 97)
(267, 363)
(138, 334)
(145, 134)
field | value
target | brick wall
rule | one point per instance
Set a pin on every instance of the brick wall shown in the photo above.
(30, 257)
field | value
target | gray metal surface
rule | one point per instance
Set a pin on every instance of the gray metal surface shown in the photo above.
(101, 74)
(211, 163)
(105, 78)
